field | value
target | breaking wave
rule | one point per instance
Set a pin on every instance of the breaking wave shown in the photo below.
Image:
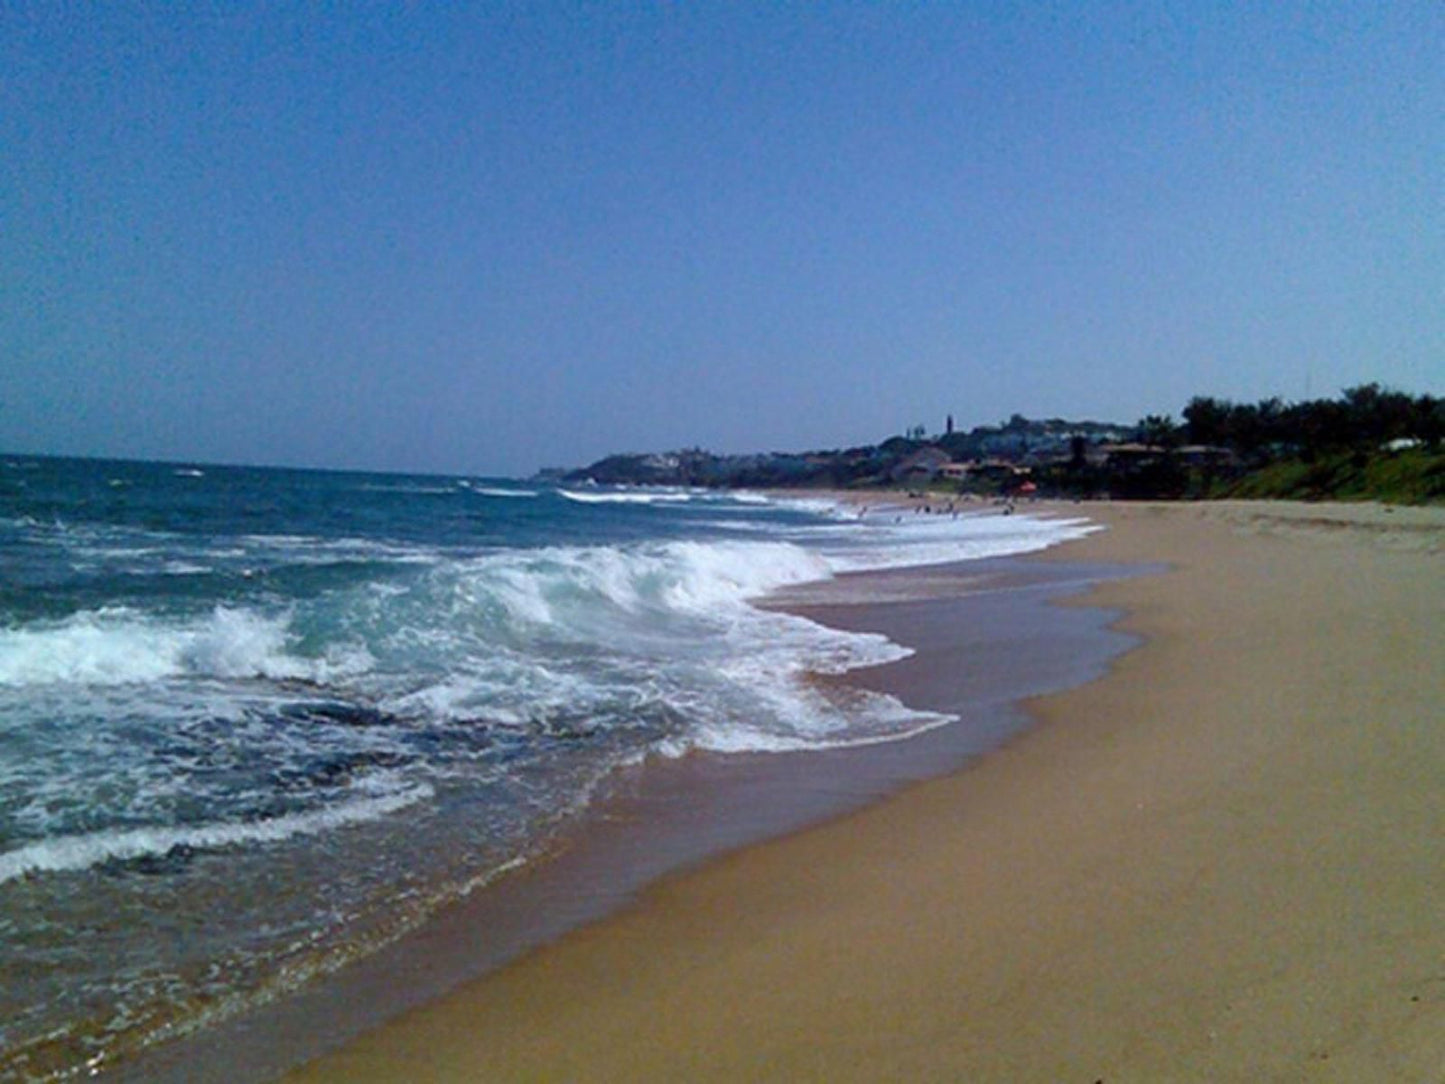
(117, 646)
(83, 851)
(493, 491)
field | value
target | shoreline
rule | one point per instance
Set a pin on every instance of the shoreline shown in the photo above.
(665, 817)
(1219, 861)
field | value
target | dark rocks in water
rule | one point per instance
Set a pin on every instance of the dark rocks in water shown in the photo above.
(337, 711)
(337, 769)
(174, 860)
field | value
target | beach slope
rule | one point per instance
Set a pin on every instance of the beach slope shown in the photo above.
(1223, 861)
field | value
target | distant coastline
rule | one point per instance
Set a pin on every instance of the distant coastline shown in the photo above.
(1369, 444)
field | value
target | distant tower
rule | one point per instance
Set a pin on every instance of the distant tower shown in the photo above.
(948, 426)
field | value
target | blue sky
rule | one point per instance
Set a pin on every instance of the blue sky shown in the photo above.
(495, 237)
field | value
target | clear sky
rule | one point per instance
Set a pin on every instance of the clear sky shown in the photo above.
(487, 238)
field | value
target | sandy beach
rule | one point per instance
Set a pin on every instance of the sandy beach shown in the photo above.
(1223, 861)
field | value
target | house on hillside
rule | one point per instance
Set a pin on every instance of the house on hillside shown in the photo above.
(1132, 454)
(998, 472)
(921, 466)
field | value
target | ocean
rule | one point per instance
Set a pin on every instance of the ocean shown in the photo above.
(256, 724)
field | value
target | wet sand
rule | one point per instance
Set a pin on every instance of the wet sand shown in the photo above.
(1221, 861)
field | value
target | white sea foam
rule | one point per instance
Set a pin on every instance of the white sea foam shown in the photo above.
(619, 498)
(742, 496)
(819, 506)
(669, 496)
(117, 646)
(558, 585)
(885, 719)
(897, 539)
(83, 851)
(495, 491)
(900, 540)
(186, 568)
(306, 550)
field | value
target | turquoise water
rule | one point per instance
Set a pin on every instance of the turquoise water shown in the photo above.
(255, 723)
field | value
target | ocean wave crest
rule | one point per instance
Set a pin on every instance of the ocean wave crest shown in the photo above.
(62, 853)
(118, 646)
(664, 496)
(494, 491)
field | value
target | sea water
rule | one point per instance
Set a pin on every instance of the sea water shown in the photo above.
(256, 723)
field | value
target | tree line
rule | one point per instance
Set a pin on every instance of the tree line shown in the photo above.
(1369, 443)
(1364, 418)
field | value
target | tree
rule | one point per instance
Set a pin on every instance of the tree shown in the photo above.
(1429, 420)
(1206, 420)
(1158, 429)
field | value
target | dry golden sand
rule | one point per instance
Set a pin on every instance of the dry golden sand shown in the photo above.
(1225, 861)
